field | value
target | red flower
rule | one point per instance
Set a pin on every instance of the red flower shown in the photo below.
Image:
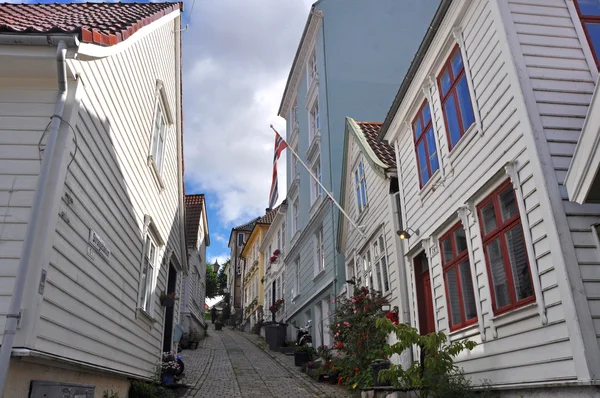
(339, 380)
(356, 369)
(340, 345)
(392, 316)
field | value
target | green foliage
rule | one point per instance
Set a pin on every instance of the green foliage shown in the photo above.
(436, 372)
(140, 389)
(110, 394)
(211, 282)
(325, 353)
(357, 337)
(222, 279)
(308, 349)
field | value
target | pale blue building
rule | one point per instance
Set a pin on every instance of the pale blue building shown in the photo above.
(351, 60)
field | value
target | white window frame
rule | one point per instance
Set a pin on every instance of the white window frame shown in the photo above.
(367, 261)
(282, 236)
(380, 261)
(314, 128)
(297, 275)
(159, 132)
(295, 169)
(295, 214)
(311, 68)
(315, 189)
(319, 252)
(147, 275)
(360, 187)
(240, 243)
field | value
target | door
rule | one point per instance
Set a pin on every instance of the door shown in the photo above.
(424, 295)
(170, 311)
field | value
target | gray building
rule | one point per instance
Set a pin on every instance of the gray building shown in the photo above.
(351, 60)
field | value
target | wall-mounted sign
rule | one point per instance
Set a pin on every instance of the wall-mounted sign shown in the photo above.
(97, 243)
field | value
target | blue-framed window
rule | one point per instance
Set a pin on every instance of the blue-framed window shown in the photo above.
(456, 100)
(425, 144)
(589, 14)
(360, 183)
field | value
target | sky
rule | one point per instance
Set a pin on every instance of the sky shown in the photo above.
(236, 58)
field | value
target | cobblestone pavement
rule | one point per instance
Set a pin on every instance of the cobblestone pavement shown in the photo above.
(229, 363)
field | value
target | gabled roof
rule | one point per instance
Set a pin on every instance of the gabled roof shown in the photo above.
(98, 23)
(248, 226)
(270, 216)
(382, 149)
(194, 207)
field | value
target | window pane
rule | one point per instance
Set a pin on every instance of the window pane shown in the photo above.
(431, 148)
(452, 119)
(447, 253)
(422, 159)
(508, 203)
(386, 283)
(457, 63)
(498, 272)
(589, 7)
(378, 270)
(453, 297)
(594, 33)
(489, 218)
(466, 283)
(460, 240)
(363, 188)
(426, 114)
(464, 101)
(445, 82)
(358, 199)
(518, 262)
(418, 127)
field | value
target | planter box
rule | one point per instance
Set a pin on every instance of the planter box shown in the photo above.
(376, 366)
(300, 358)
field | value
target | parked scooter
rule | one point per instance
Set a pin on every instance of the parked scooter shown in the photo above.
(303, 336)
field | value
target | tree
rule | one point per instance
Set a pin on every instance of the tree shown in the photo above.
(222, 279)
(211, 282)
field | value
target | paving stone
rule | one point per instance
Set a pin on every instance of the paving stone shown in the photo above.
(233, 364)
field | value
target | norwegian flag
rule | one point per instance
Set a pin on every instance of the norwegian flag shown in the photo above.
(280, 145)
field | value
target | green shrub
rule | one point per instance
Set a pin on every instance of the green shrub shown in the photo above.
(110, 394)
(141, 389)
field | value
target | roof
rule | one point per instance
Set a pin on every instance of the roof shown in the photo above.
(382, 149)
(415, 65)
(246, 227)
(194, 205)
(98, 23)
(269, 217)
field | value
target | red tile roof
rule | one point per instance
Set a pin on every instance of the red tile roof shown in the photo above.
(99, 23)
(382, 149)
(193, 210)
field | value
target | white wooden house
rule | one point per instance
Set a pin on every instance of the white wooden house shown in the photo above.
(197, 238)
(273, 249)
(484, 126)
(91, 191)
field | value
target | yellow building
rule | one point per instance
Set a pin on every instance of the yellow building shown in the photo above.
(254, 271)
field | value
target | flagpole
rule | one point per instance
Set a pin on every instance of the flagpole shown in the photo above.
(323, 188)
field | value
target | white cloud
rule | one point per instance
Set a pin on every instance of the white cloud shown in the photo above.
(237, 57)
(219, 237)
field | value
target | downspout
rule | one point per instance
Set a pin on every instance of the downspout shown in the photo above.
(38, 229)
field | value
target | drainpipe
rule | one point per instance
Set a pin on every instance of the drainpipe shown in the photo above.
(39, 226)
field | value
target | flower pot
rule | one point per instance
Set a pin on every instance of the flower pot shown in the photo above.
(168, 379)
(167, 302)
(300, 358)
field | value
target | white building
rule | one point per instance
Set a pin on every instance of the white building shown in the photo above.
(91, 191)
(273, 249)
(484, 127)
(194, 286)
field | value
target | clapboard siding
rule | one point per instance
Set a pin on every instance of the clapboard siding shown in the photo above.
(562, 86)
(377, 218)
(90, 311)
(467, 175)
(25, 110)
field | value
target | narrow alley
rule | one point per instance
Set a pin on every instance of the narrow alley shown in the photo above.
(230, 363)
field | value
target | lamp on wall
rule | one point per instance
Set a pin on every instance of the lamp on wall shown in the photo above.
(385, 307)
(407, 233)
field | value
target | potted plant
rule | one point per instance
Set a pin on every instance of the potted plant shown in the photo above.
(168, 299)
(169, 368)
(303, 354)
(219, 323)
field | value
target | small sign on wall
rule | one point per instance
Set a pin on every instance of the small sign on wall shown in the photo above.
(97, 243)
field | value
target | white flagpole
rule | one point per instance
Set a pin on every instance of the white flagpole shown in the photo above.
(323, 188)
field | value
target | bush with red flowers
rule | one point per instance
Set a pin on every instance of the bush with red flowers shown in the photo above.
(276, 305)
(276, 252)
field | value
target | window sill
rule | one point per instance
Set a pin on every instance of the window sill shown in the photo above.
(516, 315)
(156, 173)
(463, 143)
(295, 298)
(319, 275)
(143, 314)
(314, 148)
(464, 332)
(315, 205)
(429, 187)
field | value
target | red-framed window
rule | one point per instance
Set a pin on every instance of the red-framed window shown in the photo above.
(457, 277)
(589, 14)
(456, 100)
(427, 159)
(505, 251)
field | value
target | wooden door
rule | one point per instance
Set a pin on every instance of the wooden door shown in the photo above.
(424, 295)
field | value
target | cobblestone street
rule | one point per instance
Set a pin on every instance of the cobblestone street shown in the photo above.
(233, 364)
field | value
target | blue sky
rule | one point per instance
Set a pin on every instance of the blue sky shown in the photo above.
(236, 58)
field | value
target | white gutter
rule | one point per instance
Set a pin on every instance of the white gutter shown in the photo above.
(40, 226)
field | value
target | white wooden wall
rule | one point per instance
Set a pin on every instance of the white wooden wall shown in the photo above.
(89, 309)
(516, 347)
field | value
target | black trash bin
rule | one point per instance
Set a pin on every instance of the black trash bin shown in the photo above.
(275, 336)
(376, 366)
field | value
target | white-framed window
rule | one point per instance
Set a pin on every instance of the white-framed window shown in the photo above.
(279, 231)
(240, 239)
(360, 184)
(270, 252)
(315, 188)
(380, 259)
(312, 68)
(297, 275)
(282, 236)
(295, 215)
(159, 132)
(147, 277)
(278, 289)
(367, 268)
(319, 252)
(295, 169)
(315, 124)
(293, 115)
